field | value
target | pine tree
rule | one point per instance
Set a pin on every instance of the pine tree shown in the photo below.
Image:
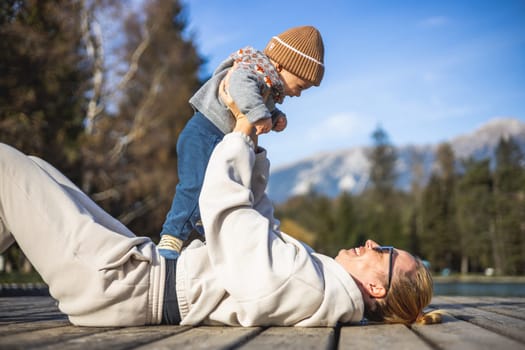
(413, 204)
(384, 216)
(509, 214)
(314, 213)
(439, 235)
(345, 233)
(42, 85)
(474, 211)
(383, 160)
(42, 79)
(317, 216)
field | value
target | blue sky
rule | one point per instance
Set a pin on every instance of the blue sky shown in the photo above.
(425, 71)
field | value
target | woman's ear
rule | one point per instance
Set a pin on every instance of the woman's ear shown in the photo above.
(375, 290)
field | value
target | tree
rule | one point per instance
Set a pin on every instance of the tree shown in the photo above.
(133, 166)
(101, 94)
(345, 223)
(508, 233)
(413, 207)
(297, 231)
(314, 213)
(439, 235)
(474, 210)
(42, 85)
(42, 79)
(383, 217)
(383, 159)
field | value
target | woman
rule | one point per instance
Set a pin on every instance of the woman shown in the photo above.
(247, 274)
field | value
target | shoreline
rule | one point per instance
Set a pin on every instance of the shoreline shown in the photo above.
(479, 279)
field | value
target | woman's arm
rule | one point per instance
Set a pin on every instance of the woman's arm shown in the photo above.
(251, 260)
(270, 277)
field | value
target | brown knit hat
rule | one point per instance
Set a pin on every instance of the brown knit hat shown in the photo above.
(300, 51)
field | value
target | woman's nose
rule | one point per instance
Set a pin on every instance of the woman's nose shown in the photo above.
(371, 244)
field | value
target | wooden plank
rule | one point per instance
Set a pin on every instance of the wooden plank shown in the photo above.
(51, 336)
(509, 307)
(28, 309)
(293, 338)
(8, 305)
(380, 336)
(121, 338)
(14, 328)
(466, 309)
(455, 334)
(33, 318)
(479, 301)
(514, 300)
(205, 338)
(28, 313)
(41, 300)
(470, 323)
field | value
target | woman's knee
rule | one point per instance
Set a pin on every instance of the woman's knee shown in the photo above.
(5, 150)
(9, 156)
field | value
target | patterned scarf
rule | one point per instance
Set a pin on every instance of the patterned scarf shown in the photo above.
(256, 61)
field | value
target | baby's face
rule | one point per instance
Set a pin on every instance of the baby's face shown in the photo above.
(293, 85)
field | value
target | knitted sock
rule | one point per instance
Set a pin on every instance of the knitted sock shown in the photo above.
(169, 246)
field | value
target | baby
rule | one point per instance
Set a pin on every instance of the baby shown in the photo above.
(248, 84)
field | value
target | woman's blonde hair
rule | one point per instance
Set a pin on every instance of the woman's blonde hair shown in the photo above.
(409, 293)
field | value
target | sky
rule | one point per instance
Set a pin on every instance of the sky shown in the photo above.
(425, 71)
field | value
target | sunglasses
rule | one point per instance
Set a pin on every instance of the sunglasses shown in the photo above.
(390, 251)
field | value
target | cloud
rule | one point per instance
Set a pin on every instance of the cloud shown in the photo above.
(337, 127)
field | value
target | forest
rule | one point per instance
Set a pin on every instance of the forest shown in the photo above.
(469, 217)
(101, 90)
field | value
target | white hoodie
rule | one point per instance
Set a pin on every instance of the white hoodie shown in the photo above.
(249, 273)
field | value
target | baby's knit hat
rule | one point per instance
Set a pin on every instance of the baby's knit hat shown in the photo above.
(300, 51)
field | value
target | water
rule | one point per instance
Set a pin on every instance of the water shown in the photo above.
(494, 289)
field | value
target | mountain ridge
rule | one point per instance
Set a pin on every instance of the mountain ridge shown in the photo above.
(330, 173)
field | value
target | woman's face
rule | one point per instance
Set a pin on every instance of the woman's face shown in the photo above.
(370, 267)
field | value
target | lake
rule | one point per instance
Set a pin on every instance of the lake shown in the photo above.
(495, 289)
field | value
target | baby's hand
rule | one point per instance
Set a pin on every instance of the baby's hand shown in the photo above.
(263, 126)
(280, 123)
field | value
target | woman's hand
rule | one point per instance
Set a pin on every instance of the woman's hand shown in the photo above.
(263, 126)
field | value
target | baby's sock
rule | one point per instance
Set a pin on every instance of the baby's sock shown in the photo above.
(169, 246)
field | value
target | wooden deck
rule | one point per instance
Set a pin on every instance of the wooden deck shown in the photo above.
(470, 323)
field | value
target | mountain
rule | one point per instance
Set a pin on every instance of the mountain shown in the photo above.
(348, 170)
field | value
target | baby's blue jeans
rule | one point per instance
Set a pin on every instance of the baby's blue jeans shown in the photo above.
(194, 147)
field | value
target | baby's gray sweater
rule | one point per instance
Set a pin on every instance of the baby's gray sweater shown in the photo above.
(246, 88)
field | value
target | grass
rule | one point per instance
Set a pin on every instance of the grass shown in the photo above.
(17, 277)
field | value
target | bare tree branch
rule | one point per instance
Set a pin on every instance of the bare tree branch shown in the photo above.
(141, 209)
(92, 35)
(135, 57)
(137, 128)
(93, 39)
(107, 194)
